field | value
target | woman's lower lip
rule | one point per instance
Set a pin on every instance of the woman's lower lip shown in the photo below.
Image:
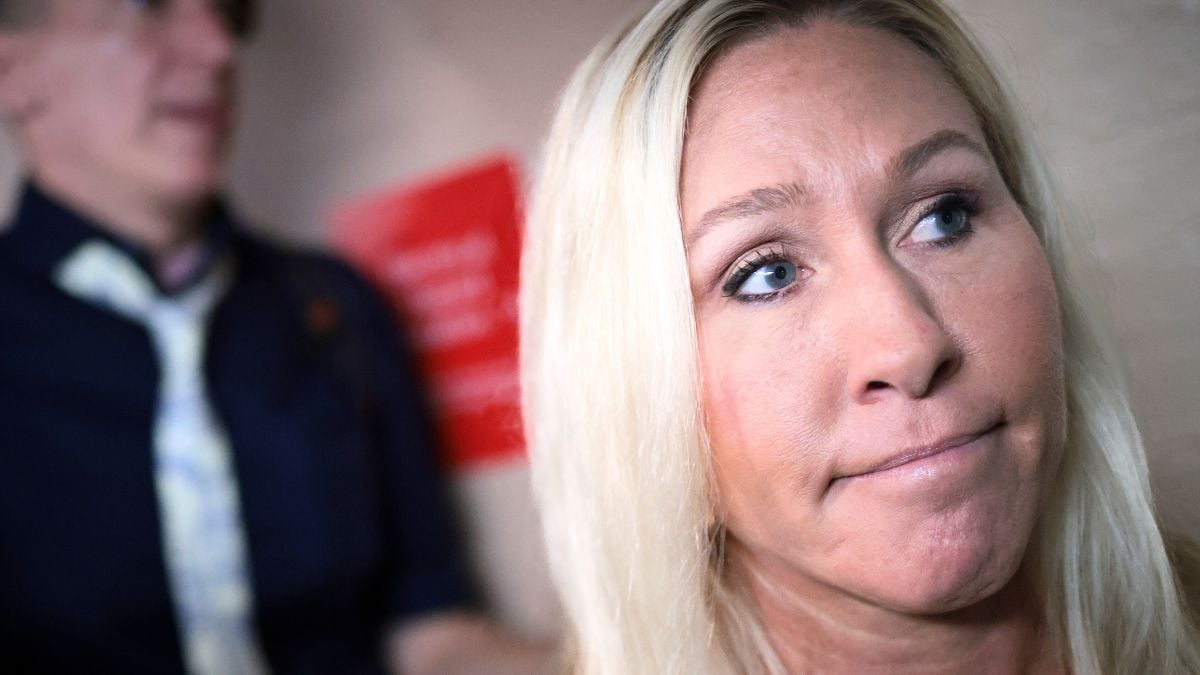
(932, 466)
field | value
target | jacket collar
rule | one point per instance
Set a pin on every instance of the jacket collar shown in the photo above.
(44, 231)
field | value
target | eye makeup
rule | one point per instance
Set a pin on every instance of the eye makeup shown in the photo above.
(961, 203)
(942, 224)
(746, 266)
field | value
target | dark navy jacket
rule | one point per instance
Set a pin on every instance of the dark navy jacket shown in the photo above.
(341, 500)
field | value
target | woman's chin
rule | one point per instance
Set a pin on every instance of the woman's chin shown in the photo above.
(942, 581)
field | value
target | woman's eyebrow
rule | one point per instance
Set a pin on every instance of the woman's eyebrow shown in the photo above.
(917, 155)
(787, 195)
(755, 202)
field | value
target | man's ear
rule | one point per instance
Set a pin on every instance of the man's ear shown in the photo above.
(18, 93)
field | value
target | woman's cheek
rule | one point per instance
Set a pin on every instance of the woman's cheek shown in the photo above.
(1010, 328)
(1019, 322)
(760, 398)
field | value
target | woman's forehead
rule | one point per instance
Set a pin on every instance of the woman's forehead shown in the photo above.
(820, 100)
(823, 63)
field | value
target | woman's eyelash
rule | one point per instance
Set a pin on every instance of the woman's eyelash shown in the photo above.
(748, 265)
(965, 201)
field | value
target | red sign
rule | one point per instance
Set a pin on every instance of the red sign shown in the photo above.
(446, 250)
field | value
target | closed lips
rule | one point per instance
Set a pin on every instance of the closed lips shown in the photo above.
(921, 452)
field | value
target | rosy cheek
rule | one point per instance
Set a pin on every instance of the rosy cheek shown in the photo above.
(750, 395)
(1026, 316)
(733, 417)
(725, 438)
(722, 411)
(1012, 333)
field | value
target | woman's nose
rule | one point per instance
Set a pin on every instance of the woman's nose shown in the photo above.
(897, 343)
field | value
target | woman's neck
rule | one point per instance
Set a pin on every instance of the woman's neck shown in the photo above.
(816, 628)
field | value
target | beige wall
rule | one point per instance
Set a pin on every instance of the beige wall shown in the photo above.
(344, 97)
(1114, 88)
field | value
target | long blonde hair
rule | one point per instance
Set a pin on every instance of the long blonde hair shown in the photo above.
(610, 370)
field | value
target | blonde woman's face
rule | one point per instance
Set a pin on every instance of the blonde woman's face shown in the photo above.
(879, 326)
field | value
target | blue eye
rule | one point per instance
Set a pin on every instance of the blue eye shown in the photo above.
(761, 278)
(948, 221)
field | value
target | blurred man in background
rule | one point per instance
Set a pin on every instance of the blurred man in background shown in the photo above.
(213, 456)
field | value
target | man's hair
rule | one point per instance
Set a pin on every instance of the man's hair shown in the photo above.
(620, 460)
(19, 13)
(241, 15)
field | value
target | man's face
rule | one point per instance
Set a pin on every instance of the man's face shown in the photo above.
(130, 97)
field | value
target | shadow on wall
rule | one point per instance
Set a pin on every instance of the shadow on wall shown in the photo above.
(339, 103)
